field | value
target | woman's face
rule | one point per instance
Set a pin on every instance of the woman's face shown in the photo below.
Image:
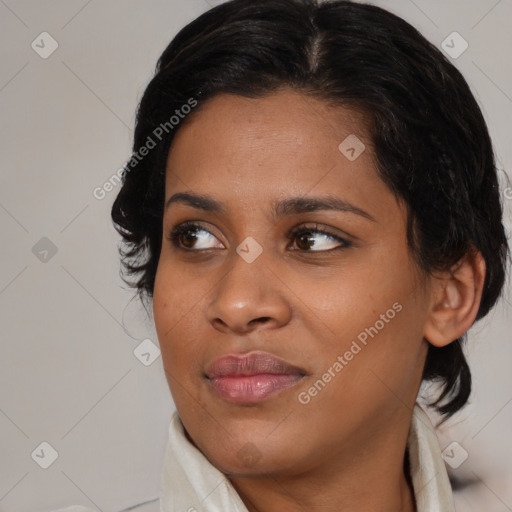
(290, 314)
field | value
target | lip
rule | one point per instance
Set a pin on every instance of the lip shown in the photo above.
(251, 378)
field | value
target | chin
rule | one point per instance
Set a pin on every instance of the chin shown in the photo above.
(253, 458)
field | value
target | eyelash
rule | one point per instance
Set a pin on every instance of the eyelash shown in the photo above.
(181, 229)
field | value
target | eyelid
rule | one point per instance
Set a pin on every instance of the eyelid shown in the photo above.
(195, 224)
(321, 228)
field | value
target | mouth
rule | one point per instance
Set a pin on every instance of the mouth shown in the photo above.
(251, 378)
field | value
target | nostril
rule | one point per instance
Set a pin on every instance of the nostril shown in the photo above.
(262, 319)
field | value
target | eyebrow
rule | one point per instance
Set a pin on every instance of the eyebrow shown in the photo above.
(280, 208)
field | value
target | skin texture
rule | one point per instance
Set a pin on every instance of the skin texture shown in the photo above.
(303, 304)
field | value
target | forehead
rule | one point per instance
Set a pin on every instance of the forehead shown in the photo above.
(272, 146)
(284, 118)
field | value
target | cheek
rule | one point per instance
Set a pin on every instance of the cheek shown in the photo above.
(176, 295)
(173, 312)
(349, 299)
(174, 303)
(373, 311)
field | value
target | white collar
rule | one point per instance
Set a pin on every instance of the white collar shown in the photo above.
(190, 483)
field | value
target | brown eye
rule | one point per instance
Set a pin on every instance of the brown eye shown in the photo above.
(193, 237)
(305, 241)
(317, 239)
(188, 238)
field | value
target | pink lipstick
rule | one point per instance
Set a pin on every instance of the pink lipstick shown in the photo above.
(251, 378)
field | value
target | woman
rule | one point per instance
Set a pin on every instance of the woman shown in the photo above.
(313, 210)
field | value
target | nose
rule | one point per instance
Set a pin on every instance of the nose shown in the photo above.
(247, 298)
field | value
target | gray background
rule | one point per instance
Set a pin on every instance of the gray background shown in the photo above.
(68, 372)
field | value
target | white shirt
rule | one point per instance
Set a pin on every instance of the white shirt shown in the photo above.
(190, 483)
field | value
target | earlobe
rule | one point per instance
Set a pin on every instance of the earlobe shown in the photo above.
(456, 296)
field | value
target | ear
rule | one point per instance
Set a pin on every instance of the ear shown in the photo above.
(455, 300)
